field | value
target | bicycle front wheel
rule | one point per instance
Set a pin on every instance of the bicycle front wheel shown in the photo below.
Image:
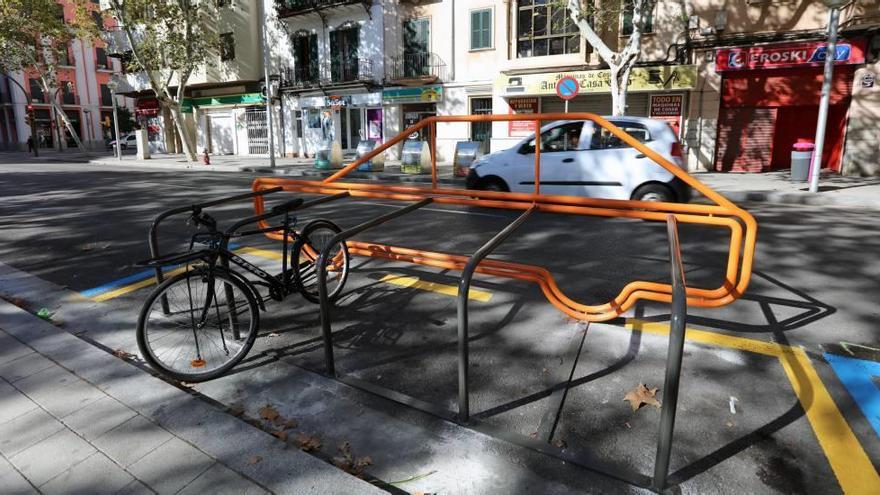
(195, 327)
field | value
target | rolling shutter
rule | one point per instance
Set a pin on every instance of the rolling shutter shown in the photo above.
(745, 139)
(636, 104)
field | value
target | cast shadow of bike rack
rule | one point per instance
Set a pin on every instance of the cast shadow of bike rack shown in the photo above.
(462, 416)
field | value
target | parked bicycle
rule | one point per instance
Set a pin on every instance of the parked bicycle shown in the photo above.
(198, 324)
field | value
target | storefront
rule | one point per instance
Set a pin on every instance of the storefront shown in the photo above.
(148, 116)
(414, 104)
(770, 99)
(657, 92)
(343, 118)
(231, 124)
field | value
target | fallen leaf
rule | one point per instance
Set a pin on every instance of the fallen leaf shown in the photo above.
(730, 424)
(629, 426)
(642, 395)
(123, 354)
(289, 423)
(255, 459)
(269, 413)
(280, 435)
(560, 444)
(308, 443)
(274, 334)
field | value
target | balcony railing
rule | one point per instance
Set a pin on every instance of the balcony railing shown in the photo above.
(301, 77)
(288, 8)
(417, 68)
(351, 70)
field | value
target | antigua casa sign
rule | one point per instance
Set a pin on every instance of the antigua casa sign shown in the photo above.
(661, 78)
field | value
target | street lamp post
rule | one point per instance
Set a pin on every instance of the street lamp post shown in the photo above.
(269, 94)
(113, 84)
(828, 76)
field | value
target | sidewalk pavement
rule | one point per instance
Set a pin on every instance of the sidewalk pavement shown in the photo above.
(76, 419)
(769, 187)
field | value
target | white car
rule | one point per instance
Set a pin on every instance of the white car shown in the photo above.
(127, 140)
(580, 158)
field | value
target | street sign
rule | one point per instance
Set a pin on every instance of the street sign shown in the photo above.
(567, 88)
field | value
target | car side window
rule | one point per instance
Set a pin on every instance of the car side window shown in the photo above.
(565, 137)
(603, 139)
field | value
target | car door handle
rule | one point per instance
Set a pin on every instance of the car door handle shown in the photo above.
(568, 160)
(641, 155)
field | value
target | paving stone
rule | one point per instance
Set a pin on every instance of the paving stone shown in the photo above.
(220, 480)
(171, 466)
(26, 430)
(54, 455)
(98, 418)
(136, 488)
(24, 367)
(97, 474)
(144, 393)
(131, 440)
(11, 349)
(58, 391)
(12, 482)
(13, 403)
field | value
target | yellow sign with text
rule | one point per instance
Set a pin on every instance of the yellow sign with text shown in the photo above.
(661, 78)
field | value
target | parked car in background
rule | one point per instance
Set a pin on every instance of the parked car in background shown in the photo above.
(580, 158)
(126, 141)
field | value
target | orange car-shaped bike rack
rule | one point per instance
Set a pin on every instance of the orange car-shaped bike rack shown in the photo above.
(723, 213)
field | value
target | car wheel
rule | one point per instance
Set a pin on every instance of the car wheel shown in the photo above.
(657, 193)
(493, 184)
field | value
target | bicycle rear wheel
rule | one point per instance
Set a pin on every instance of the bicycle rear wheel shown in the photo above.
(311, 242)
(208, 328)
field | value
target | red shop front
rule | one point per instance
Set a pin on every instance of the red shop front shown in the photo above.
(770, 99)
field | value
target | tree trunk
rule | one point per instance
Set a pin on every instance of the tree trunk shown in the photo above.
(177, 117)
(618, 92)
(59, 111)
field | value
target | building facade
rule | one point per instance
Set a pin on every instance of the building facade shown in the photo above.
(84, 95)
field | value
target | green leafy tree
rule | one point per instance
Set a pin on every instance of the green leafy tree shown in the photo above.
(34, 39)
(169, 40)
(594, 17)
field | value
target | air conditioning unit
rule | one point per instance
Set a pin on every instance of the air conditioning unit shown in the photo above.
(694, 22)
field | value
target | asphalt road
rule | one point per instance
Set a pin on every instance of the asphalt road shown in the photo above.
(815, 284)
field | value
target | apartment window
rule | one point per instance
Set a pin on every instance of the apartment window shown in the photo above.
(36, 92)
(305, 57)
(224, 3)
(626, 15)
(481, 29)
(416, 47)
(227, 47)
(101, 60)
(106, 96)
(59, 12)
(64, 55)
(543, 29)
(67, 95)
(98, 20)
(344, 54)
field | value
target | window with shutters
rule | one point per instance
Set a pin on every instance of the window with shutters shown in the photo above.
(481, 29)
(481, 131)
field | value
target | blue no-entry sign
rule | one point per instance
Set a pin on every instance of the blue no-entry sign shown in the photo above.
(567, 88)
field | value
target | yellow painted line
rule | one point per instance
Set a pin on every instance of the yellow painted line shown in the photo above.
(400, 280)
(113, 294)
(448, 290)
(711, 338)
(133, 287)
(851, 465)
(262, 253)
